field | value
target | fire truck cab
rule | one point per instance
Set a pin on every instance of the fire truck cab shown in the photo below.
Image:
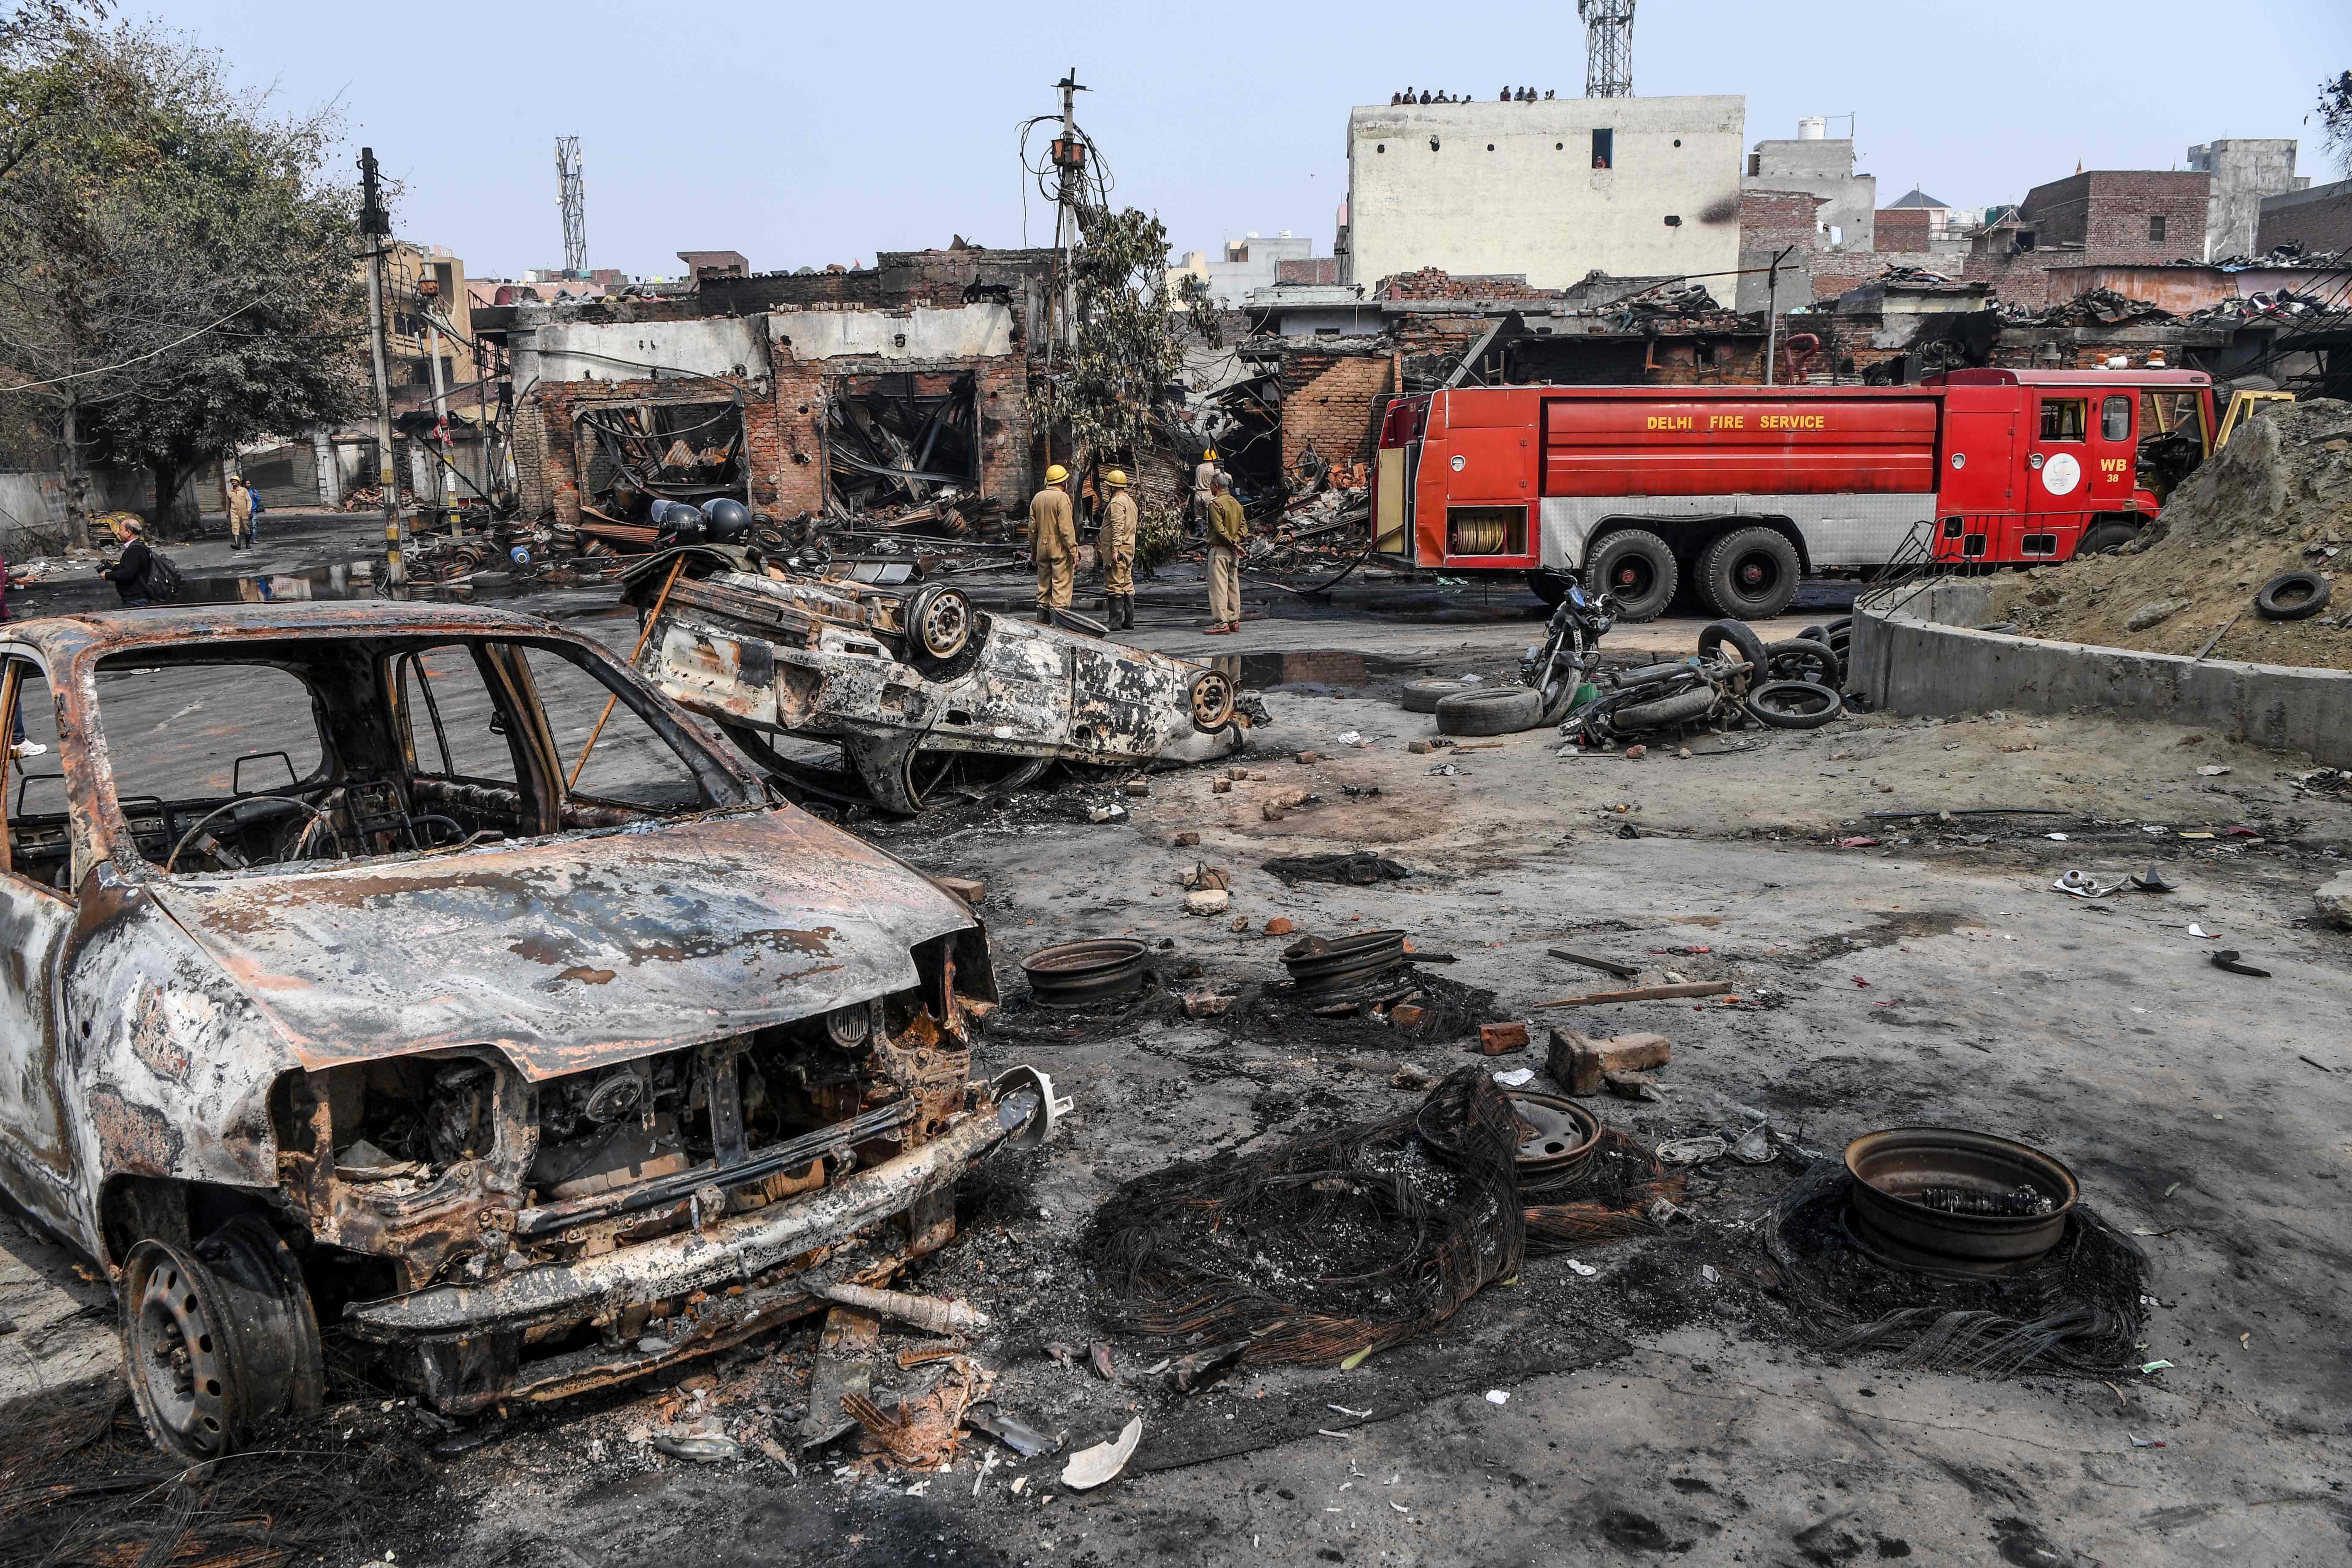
(1738, 492)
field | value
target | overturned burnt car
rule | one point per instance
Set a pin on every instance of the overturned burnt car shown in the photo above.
(419, 970)
(921, 690)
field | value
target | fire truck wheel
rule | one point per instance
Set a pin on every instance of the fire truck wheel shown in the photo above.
(2291, 596)
(1549, 586)
(1743, 640)
(2106, 537)
(1795, 704)
(1750, 573)
(1638, 568)
(1505, 710)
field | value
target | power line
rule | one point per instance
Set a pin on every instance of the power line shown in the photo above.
(139, 359)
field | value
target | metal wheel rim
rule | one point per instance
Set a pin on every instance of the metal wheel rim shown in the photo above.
(179, 1356)
(1633, 577)
(1213, 700)
(946, 624)
(1548, 1150)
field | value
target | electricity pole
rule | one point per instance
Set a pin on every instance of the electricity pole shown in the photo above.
(375, 224)
(1070, 163)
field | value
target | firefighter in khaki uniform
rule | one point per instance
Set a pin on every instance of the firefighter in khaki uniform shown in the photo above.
(1228, 526)
(1053, 543)
(1116, 543)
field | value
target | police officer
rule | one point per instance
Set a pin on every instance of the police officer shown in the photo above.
(1204, 484)
(1116, 543)
(1053, 543)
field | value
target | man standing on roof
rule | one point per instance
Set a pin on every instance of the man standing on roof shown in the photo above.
(1228, 526)
(1053, 543)
(1204, 480)
(1116, 543)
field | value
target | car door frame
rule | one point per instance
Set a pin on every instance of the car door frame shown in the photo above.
(36, 927)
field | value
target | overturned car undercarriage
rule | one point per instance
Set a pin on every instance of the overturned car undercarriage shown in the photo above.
(920, 691)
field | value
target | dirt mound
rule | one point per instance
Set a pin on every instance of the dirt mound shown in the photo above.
(2277, 499)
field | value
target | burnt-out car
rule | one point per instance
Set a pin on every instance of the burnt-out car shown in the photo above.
(421, 971)
(921, 690)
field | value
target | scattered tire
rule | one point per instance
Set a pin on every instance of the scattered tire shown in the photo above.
(1681, 708)
(1637, 569)
(1502, 711)
(1649, 675)
(1803, 658)
(1795, 704)
(1715, 633)
(2106, 537)
(1815, 633)
(1423, 696)
(1750, 573)
(2291, 596)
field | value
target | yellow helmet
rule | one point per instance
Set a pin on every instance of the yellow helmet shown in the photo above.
(1115, 479)
(1210, 455)
(1056, 474)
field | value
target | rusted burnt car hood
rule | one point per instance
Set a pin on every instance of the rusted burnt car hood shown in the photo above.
(573, 953)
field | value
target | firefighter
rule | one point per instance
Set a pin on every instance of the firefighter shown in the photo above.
(1052, 541)
(1227, 528)
(1204, 480)
(1115, 542)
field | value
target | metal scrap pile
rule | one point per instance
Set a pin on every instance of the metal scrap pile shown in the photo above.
(2099, 307)
(1656, 307)
(2283, 304)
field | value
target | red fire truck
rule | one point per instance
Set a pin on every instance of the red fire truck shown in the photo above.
(1738, 492)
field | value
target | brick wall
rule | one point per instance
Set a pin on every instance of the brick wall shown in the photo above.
(1834, 272)
(2107, 210)
(2318, 220)
(1327, 399)
(1435, 283)
(1902, 228)
(1306, 269)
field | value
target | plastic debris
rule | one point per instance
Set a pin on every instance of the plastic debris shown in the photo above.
(1692, 1150)
(2058, 837)
(1497, 1396)
(1755, 1146)
(1515, 1077)
(2140, 1442)
(1584, 1270)
(2196, 930)
(2212, 770)
(1444, 771)
(2154, 1365)
(1090, 1467)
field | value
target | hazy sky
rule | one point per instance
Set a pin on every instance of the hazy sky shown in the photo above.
(809, 134)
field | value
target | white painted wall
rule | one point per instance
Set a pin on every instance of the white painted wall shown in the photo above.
(1535, 204)
(553, 350)
(965, 333)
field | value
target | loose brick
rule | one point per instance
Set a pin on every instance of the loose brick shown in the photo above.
(1501, 1039)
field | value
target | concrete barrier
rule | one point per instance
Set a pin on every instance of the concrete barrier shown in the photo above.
(1919, 652)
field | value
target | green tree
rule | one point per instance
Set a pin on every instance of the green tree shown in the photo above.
(176, 276)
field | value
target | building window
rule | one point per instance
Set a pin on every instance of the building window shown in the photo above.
(1674, 220)
(1604, 148)
(1380, 147)
(2154, 227)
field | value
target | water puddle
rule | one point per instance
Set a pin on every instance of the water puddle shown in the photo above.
(1313, 669)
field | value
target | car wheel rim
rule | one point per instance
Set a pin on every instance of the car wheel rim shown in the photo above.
(1213, 700)
(176, 1352)
(945, 626)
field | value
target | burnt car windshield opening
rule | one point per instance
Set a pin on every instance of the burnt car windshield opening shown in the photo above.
(305, 750)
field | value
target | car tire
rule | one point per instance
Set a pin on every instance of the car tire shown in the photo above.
(1423, 696)
(1803, 658)
(1743, 639)
(1501, 711)
(2308, 591)
(1794, 704)
(938, 623)
(1748, 575)
(2106, 537)
(1637, 569)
